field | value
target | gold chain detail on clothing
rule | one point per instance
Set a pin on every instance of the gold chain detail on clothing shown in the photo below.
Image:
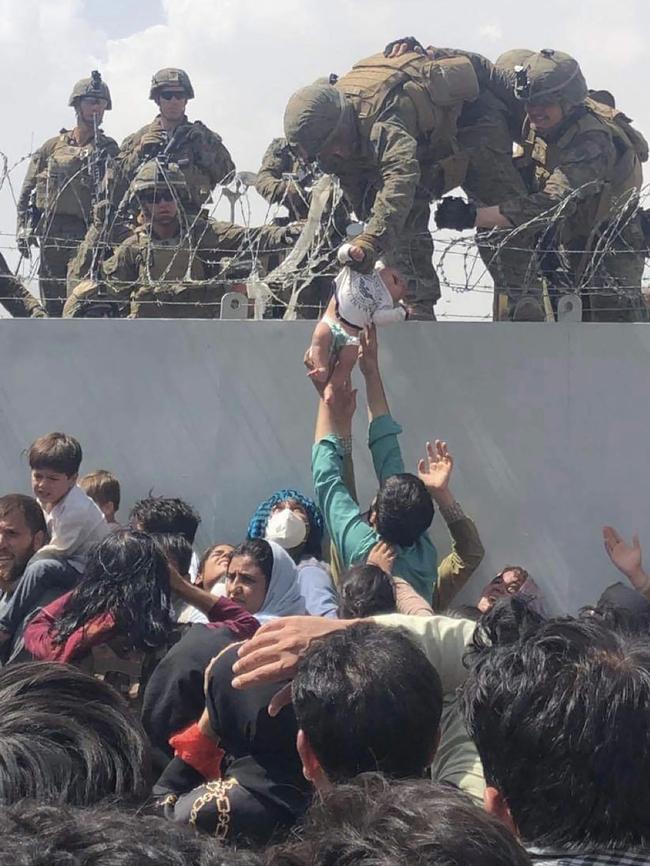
(216, 791)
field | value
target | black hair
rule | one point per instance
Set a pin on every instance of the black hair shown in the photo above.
(34, 834)
(403, 509)
(366, 591)
(162, 514)
(367, 698)
(127, 576)
(27, 506)
(66, 737)
(560, 714)
(376, 822)
(57, 452)
(176, 547)
(259, 550)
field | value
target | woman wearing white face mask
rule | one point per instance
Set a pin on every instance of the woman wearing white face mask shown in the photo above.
(295, 522)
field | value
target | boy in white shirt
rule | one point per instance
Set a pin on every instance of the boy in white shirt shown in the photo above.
(74, 525)
(74, 521)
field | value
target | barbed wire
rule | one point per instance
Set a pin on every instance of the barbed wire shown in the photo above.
(481, 259)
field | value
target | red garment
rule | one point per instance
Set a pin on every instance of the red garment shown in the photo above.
(227, 612)
(41, 630)
(199, 751)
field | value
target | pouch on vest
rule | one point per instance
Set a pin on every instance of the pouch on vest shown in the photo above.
(430, 84)
(64, 186)
(624, 123)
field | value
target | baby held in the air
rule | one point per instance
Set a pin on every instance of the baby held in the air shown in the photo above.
(359, 300)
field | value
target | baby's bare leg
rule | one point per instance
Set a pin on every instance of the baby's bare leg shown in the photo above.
(347, 358)
(319, 352)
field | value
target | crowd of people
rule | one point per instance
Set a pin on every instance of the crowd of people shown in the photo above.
(552, 173)
(310, 692)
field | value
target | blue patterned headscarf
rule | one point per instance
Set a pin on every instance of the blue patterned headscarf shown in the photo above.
(257, 526)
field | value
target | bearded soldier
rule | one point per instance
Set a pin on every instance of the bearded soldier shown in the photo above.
(61, 186)
(382, 130)
(171, 265)
(583, 161)
(199, 152)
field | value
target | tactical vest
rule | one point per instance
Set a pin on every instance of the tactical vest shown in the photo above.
(437, 89)
(64, 186)
(185, 155)
(624, 176)
(168, 271)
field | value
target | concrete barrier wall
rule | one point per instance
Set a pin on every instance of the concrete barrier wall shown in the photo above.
(549, 425)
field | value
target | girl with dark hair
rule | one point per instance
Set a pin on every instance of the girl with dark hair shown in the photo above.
(124, 593)
(295, 522)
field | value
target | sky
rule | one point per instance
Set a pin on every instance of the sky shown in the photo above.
(246, 57)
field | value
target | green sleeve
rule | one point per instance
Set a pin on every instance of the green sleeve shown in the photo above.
(585, 163)
(270, 184)
(351, 536)
(121, 269)
(384, 447)
(395, 151)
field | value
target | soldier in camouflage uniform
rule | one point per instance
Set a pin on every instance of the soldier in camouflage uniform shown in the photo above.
(172, 266)
(56, 201)
(280, 179)
(200, 153)
(586, 159)
(383, 130)
(482, 164)
(14, 296)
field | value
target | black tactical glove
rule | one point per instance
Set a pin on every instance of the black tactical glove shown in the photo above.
(410, 43)
(454, 212)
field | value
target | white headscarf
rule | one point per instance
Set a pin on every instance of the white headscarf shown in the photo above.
(283, 596)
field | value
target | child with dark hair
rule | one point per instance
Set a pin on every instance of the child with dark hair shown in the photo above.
(125, 592)
(74, 521)
(104, 489)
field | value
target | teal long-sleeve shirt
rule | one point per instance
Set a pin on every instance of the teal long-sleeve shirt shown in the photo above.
(352, 536)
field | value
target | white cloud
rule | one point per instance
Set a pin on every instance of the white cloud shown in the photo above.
(491, 32)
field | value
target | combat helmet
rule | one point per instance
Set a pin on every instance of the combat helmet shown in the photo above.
(93, 86)
(156, 174)
(313, 117)
(550, 75)
(164, 77)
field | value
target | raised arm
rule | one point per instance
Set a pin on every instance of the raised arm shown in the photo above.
(467, 551)
(369, 366)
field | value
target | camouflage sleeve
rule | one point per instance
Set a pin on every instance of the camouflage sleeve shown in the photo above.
(396, 154)
(275, 163)
(211, 154)
(121, 270)
(37, 164)
(584, 166)
(15, 297)
(228, 239)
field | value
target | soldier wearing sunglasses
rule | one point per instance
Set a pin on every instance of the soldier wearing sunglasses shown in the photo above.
(199, 152)
(172, 265)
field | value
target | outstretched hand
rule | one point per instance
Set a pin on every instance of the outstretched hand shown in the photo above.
(435, 472)
(626, 557)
